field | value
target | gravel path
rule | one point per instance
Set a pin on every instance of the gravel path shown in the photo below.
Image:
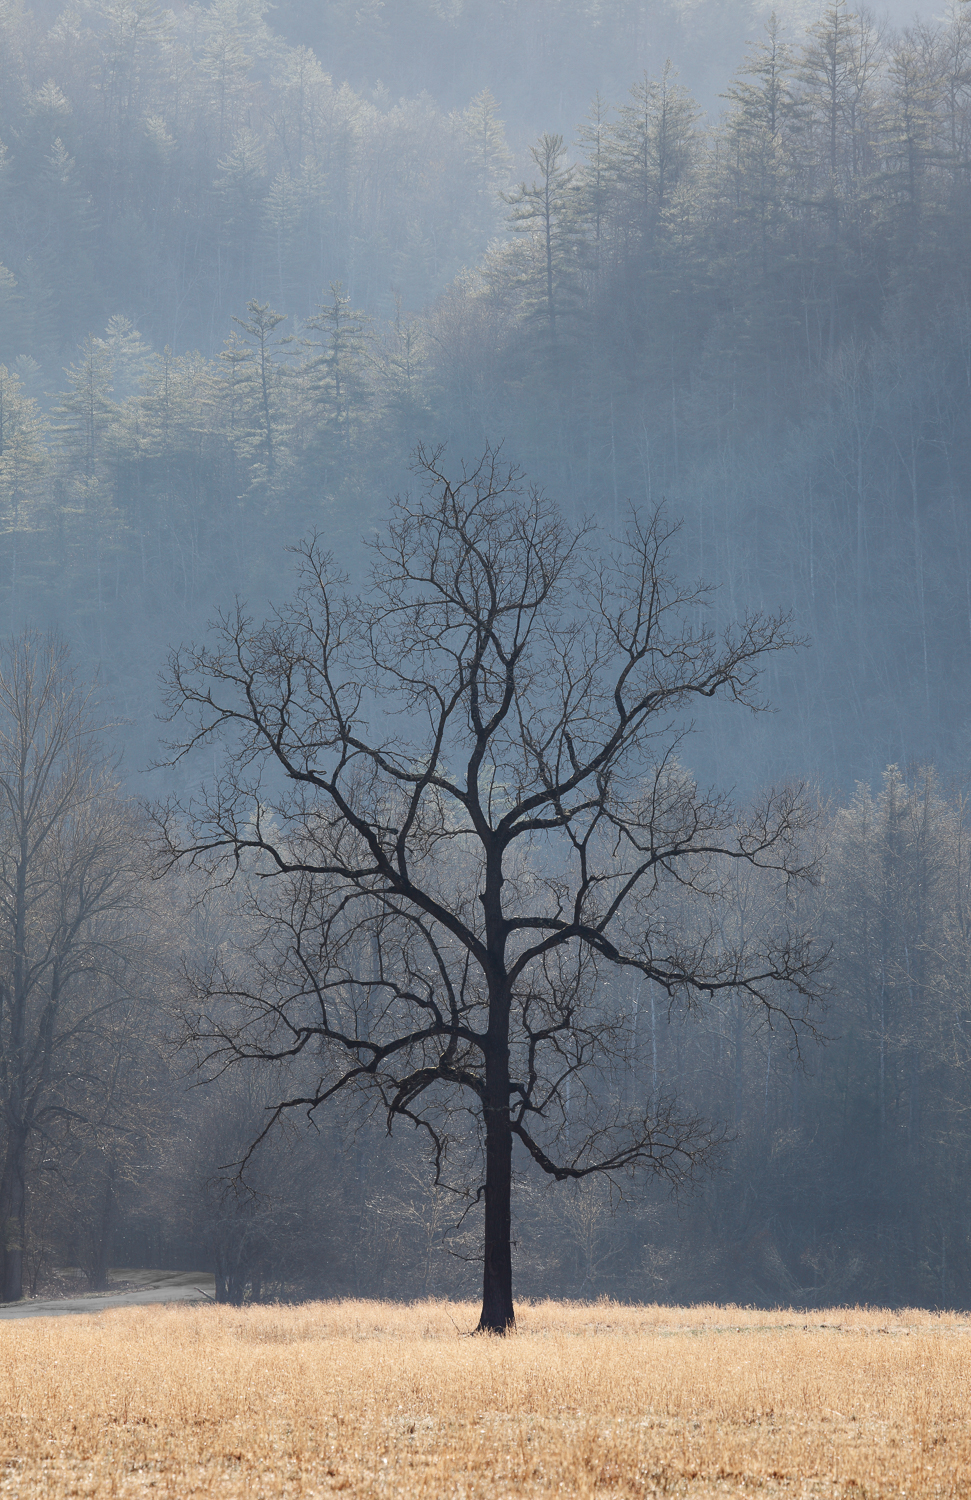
(152, 1286)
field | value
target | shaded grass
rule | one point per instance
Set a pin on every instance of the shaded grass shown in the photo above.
(377, 1399)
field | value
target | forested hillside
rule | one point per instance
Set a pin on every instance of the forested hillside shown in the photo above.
(241, 279)
(169, 165)
(763, 320)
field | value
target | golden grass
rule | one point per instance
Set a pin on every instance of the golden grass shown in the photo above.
(372, 1399)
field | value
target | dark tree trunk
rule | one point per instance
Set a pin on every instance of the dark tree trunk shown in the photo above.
(13, 1214)
(497, 1309)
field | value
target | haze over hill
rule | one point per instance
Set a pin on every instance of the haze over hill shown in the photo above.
(543, 61)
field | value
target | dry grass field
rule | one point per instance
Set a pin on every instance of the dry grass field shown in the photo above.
(371, 1399)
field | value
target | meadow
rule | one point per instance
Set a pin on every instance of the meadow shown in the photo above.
(378, 1399)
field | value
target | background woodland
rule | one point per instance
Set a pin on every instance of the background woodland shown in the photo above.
(242, 276)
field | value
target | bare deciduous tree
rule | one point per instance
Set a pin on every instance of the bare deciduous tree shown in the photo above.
(456, 807)
(67, 851)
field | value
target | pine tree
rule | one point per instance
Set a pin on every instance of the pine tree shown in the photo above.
(234, 33)
(547, 214)
(335, 377)
(405, 372)
(757, 130)
(912, 135)
(86, 411)
(241, 187)
(281, 220)
(653, 147)
(838, 67)
(256, 375)
(129, 355)
(488, 158)
(595, 178)
(761, 91)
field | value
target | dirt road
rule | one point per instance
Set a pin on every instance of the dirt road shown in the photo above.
(151, 1286)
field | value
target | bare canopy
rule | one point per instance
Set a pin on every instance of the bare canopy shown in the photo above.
(481, 819)
(68, 892)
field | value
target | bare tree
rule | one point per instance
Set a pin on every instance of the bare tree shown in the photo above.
(67, 848)
(456, 807)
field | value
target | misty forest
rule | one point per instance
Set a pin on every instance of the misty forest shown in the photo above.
(485, 679)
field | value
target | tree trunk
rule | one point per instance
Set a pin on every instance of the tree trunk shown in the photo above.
(497, 1309)
(13, 1214)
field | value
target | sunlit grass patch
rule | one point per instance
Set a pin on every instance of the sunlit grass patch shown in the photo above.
(368, 1398)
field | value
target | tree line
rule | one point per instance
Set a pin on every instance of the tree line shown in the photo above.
(565, 960)
(171, 164)
(763, 319)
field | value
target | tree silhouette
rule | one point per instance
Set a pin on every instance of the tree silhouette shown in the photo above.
(481, 820)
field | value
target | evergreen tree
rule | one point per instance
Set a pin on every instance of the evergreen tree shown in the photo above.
(255, 359)
(488, 158)
(86, 410)
(761, 113)
(335, 378)
(653, 148)
(594, 178)
(547, 215)
(912, 136)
